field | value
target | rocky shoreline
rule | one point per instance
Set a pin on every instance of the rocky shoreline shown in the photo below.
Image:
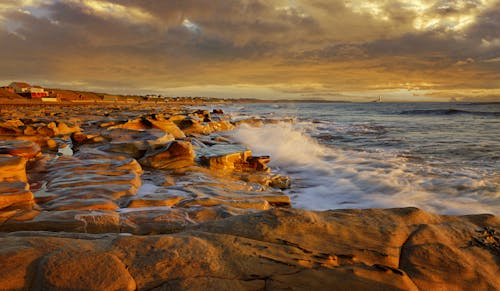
(148, 197)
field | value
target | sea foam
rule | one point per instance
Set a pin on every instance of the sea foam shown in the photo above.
(325, 177)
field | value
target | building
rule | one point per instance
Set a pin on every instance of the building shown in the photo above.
(26, 90)
(8, 89)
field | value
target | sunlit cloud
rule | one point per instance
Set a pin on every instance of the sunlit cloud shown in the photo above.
(190, 25)
(104, 9)
(275, 48)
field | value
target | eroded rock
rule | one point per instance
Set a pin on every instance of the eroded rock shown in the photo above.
(176, 154)
(391, 249)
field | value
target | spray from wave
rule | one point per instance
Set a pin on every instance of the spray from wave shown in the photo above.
(327, 178)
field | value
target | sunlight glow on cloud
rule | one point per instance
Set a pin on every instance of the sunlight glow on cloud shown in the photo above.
(448, 15)
(292, 48)
(373, 8)
(190, 25)
(106, 9)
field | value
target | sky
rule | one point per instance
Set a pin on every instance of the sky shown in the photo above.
(351, 50)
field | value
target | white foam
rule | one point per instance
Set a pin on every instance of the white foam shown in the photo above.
(328, 178)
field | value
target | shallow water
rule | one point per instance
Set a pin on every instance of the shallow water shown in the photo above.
(442, 157)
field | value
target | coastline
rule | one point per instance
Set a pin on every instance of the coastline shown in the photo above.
(213, 213)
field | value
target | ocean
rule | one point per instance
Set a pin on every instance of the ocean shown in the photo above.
(441, 157)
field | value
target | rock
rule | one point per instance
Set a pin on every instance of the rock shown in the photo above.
(15, 193)
(168, 126)
(85, 221)
(81, 204)
(52, 144)
(78, 137)
(46, 131)
(217, 111)
(154, 221)
(154, 201)
(144, 123)
(280, 182)
(236, 203)
(12, 168)
(29, 130)
(222, 125)
(10, 130)
(135, 143)
(224, 157)
(20, 148)
(136, 124)
(20, 259)
(83, 270)
(65, 129)
(258, 163)
(380, 249)
(192, 127)
(11, 123)
(175, 154)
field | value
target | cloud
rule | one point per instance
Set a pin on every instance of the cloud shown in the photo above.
(334, 47)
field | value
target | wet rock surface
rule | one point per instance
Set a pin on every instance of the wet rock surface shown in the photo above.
(117, 168)
(392, 249)
(118, 197)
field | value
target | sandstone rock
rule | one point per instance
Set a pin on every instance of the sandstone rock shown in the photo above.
(168, 126)
(135, 124)
(46, 131)
(154, 220)
(175, 154)
(154, 200)
(391, 249)
(192, 127)
(29, 130)
(20, 259)
(144, 123)
(65, 129)
(11, 123)
(83, 270)
(21, 148)
(52, 144)
(10, 130)
(236, 203)
(135, 143)
(280, 182)
(222, 125)
(85, 221)
(224, 157)
(81, 204)
(15, 193)
(12, 168)
(104, 190)
(258, 163)
(79, 138)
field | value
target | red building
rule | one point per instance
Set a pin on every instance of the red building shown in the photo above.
(28, 91)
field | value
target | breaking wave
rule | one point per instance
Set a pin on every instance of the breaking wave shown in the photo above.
(326, 177)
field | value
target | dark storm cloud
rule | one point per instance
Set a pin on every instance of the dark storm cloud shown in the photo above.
(337, 45)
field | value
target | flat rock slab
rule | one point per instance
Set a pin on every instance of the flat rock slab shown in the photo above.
(373, 249)
(89, 183)
(12, 168)
(14, 194)
(20, 148)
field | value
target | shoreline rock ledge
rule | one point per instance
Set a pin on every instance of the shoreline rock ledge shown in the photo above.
(277, 249)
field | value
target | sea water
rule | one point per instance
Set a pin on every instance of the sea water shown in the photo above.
(441, 157)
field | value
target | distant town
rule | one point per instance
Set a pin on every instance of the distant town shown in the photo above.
(24, 92)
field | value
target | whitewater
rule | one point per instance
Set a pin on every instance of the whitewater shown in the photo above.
(441, 157)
